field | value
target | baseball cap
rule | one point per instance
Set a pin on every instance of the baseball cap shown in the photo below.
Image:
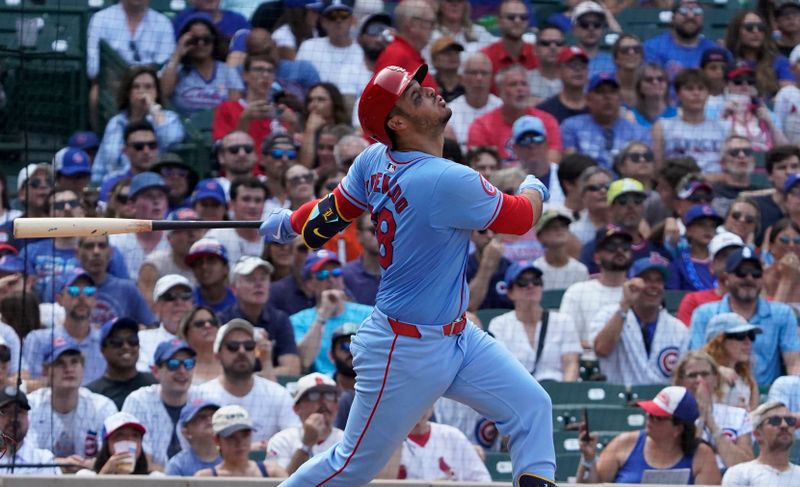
(690, 184)
(183, 215)
(624, 186)
(233, 325)
(317, 259)
(117, 323)
(714, 54)
(584, 8)
(248, 263)
(551, 214)
(740, 256)
(722, 241)
(600, 78)
(673, 401)
(380, 20)
(444, 43)
(518, 267)
(779, 4)
(147, 180)
(193, 407)
(346, 330)
(327, 6)
(12, 264)
(206, 246)
(759, 414)
(313, 381)
(610, 231)
(86, 140)
(528, 125)
(275, 139)
(121, 420)
(69, 278)
(203, 17)
(58, 347)
(70, 161)
(227, 420)
(8, 249)
(726, 323)
(697, 212)
(791, 181)
(165, 283)
(738, 70)
(170, 159)
(569, 53)
(654, 261)
(166, 349)
(209, 189)
(29, 170)
(9, 394)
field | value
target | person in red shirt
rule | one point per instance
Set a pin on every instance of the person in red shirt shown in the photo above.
(494, 128)
(414, 21)
(512, 20)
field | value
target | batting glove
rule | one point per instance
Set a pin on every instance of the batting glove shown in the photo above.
(278, 227)
(532, 182)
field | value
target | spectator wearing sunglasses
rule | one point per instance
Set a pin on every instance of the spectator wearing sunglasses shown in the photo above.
(592, 185)
(236, 157)
(446, 59)
(298, 182)
(172, 299)
(529, 136)
(637, 340)
(316, 403)
(235, 348)
(77, 294)
(279, 152)
(628, 55)
(248, 195)
(209, 261)
(119, 344)
(34, 183)
(181, 178)
(159, 406)
(314, 326)
(782, 277)
(637, 161)
(545, 81)
(775, 428)
(199, 329)
(786, 389)
(729, 341)
(780, 342)
(141, 148)
(744, 219)
(589, 23)
(682, 47)
(251, 285)
(652, 102)
(738, 162)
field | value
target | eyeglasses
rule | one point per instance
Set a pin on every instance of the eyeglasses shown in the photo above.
(261, 70)
(790, 421)
(135, 50)
(696, 11)
(654, 79)
(174, 364)
(176, 172)
(591, 25)
(139, 146)
(596, 187)
(200, 40)
(750, 219)
(516, 17)
(37, 183)
(76, 291)
(754, 27)
(616, 246)
(338, 15)
(132, 341)
(298, 180)
(234, 149)
(638, 157)
(744, 81)
(741, 336)
(202, 323)
(170, 297)
(324, 275)
(786, 240)
(694, 375)
(754, 273)
(62, 205)
(234, 346)
(742, 151)
(630, 50)
(549, 43)
(536, 281)
(290, 154)
(315, 396)
(530, 140)
(626, 199)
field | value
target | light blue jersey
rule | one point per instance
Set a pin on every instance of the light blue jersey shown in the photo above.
(411, 196)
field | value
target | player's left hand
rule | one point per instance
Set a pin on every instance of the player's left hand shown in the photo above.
(532, 182)
(278, 227)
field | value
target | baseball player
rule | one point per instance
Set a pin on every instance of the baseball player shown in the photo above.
(417, 345)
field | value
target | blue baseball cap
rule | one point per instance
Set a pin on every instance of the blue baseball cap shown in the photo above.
(147, 180)
(86, 140)
(193, 407)
(601, 78)
(117, 323)
(727, 323)
(12, 264)
(166, 349)
(327, 6)
(203, 17)
(792, 180)
(70, 161)
(740, 256)
(654, 261)
(673, 402)
(518, 267)
(528, 125)
(69, 278)
(317, 259)
(697, 212)
(209, 189)
(206, 246)
(58, 347)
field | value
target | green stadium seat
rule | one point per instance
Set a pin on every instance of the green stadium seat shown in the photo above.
(488, 314)
(644, 392)
(643, 22)
(566, 442)
(499, 466)
(289, 382)
(672, 299)
(567, 466)
(588, 394)
(760, 180)
(615, 420)
(551, 299)
(588, 369)
(564, 418)
(258, 455)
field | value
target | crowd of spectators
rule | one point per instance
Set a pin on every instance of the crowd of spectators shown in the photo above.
(672, 164)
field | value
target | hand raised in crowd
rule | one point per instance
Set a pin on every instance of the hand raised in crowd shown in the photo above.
(587, 443)
(705, 400)
(258, 110)
(314, 122)
(183, 47)
(117, 464)
(263, 346)
(672, 232)
(728, 375)
(789, 267)
(314, 428)
(493, 252)
(631, 292)
(331, 303)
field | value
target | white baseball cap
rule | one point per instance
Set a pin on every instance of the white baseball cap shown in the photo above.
(227, 420)
(248, 263)
(120, 420)
(673, 401)
(723, 240)
(584, 8)
(29, 170)
(167, 282)
(234, 324)
(313, 381)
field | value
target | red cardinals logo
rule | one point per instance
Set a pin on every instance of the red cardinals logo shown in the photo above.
(487, 186)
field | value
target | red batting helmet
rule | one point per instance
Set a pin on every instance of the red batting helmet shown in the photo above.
(380, 95)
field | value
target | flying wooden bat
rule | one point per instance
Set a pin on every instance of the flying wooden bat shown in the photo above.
(88, 227)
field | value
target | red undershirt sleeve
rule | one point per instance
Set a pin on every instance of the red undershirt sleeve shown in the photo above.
(516, 216)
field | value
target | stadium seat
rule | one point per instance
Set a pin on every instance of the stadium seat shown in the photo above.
(565, 442)
(551, 299)
(567, 466)
(672, 299)
(589, 394)
(564, 418)
(615, 420)
(258, 455)
(644, 392)
(486, 315)
(499, 466)
(643, 22)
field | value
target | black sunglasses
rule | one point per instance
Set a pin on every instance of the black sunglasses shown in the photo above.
(754, 273)
(754, 26)
(234, 149)
(739, 337)
(315, 396)
(37, 183)
(114, 342)
(200, 40)
(744, 81)
(234, 346)
(700, 198)
(616, 246)
(591, 25)
(625, 199)
(550, 43)
(742, 151)
(596, 187)
(638, 157)
(631, 50)
(62, 205)
(527, 281)
(790, 421)
(202, 323)
(139, 146)
(739, 216)
(170, 297)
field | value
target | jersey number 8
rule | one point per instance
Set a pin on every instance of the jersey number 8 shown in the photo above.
(384, 233)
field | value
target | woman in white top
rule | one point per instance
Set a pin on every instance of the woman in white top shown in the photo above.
(199, 329)
(593, 185)
(545, 342)
(729, 341)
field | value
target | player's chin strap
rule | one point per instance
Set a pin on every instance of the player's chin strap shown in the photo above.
(531, 480)
(324, 222)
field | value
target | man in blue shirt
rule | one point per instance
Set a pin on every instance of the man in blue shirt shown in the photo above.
(588, 26)
(682, 47)
(743, 277)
